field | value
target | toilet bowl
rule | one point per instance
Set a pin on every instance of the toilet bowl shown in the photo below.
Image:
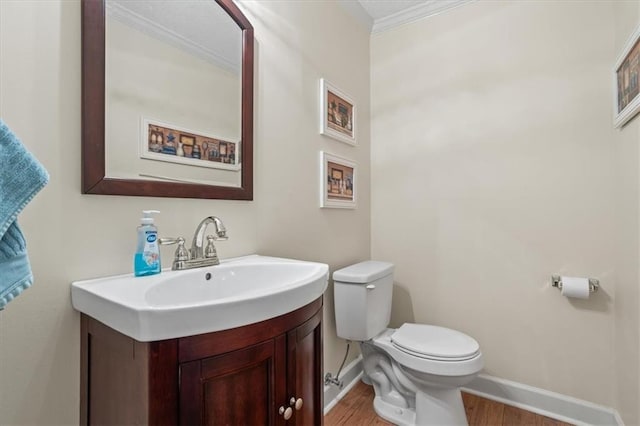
(416, 370)
(430, 381)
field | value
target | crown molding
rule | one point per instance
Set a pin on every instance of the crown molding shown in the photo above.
(159, 32)
(426, 9)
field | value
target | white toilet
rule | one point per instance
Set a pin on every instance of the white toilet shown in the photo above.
(416, 370)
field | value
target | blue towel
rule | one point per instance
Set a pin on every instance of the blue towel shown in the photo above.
(21, 177)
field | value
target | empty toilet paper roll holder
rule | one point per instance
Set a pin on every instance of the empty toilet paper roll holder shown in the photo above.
(556, 281)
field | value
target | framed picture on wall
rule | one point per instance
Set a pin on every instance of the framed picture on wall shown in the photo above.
(627, 85)
(338, 182)
(337, 113)
(166, 142)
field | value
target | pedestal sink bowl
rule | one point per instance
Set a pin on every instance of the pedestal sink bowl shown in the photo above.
(239, 291)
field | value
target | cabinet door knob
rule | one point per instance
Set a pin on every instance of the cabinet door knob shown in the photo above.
(285, 412)
(297, 403)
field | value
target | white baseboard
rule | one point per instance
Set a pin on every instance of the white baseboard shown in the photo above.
(349, 376)
(535, 400)
(540, 401)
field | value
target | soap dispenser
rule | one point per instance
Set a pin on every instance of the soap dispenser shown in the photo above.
(147, 258)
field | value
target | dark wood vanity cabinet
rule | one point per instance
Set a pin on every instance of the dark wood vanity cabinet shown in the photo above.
(258, 374)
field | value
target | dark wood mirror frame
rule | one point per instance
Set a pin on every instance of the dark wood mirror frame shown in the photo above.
(94, 180)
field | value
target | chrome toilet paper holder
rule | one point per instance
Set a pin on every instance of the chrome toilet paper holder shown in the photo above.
(556, 281)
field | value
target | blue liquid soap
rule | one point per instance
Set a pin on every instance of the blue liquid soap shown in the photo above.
(146, 260)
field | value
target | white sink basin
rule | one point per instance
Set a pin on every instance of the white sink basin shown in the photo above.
(172, 304)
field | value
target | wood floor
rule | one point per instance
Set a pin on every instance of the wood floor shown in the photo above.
(356, 409)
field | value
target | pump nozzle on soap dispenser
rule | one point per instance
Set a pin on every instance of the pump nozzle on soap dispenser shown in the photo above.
(148, 219)
(147, 258)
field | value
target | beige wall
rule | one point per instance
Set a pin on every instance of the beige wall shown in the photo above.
(73, 236)
(494, 166)
(625, 308)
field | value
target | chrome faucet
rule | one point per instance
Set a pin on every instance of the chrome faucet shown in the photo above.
(198, 237)
(198, 257)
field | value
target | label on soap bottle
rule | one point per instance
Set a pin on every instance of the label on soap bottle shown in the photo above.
(147, 258)
(150, 253)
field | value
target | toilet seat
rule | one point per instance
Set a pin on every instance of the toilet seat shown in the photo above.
(435, 343)
(425, 364)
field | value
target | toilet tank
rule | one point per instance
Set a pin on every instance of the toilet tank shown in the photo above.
(362, 297)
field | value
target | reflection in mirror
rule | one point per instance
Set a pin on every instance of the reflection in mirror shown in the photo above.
(177, 88)
(173, 92)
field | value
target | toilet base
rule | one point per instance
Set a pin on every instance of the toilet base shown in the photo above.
(394, 414)
(440, 407)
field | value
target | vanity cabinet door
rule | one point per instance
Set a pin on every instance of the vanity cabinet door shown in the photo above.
(241, 376)
(236, 388)
(304, 379)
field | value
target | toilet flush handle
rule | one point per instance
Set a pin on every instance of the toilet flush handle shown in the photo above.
(371, 286)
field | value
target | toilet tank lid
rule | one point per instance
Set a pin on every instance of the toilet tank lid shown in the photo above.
(363, 272)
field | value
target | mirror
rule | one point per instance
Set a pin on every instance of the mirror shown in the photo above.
(167, 99)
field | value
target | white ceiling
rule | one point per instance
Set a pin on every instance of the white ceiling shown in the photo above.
(199, 27)
(381, 15)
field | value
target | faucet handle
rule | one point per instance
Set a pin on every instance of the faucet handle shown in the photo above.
(210, 250)
(181, 252)
(170, 240)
